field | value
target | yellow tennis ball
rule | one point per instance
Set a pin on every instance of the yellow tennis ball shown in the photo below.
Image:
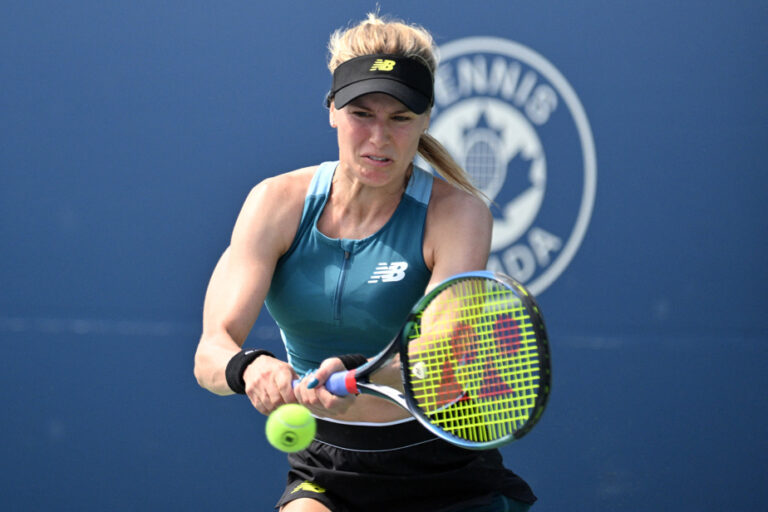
(290, 428)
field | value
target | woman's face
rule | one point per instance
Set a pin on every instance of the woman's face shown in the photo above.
(378, 137)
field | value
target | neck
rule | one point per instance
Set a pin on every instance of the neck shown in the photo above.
(357, 211)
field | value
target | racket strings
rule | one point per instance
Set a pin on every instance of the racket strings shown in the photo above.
(474, 362)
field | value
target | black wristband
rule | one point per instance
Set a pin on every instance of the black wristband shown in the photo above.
(352, 361)
(237, 365)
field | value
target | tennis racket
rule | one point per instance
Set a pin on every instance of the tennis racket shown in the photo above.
(474, 362)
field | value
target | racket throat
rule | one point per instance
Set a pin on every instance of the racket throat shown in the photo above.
(369, 388)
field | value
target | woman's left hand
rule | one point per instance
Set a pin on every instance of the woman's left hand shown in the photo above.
(311, 392)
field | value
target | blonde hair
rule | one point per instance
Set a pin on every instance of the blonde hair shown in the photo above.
(391, 36)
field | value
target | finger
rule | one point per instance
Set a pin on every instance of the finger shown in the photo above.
(329, 401)
(266, 396)
(310, 379)
(301, 389)
(276, 395)
(284, 384)
(306, 391)
(328, 368)
(257, 402)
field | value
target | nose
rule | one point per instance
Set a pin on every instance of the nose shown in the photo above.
(380, 133)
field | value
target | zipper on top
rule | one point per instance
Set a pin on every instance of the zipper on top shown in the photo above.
(340, 287)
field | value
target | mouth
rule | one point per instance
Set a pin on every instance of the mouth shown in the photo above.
(377, 159)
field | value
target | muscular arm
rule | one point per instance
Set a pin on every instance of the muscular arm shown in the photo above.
(240, 282)
(458, 233)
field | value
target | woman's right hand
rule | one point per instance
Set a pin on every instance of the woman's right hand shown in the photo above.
(269, 383)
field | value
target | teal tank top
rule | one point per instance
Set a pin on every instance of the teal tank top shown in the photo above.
(338, 296)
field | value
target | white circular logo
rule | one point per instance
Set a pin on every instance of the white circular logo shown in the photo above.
(516, 125)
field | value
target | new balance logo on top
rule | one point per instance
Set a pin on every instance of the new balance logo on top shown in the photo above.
(388, 272)
(383, 65)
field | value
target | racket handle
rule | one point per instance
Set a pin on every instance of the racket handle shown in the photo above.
(338, 383)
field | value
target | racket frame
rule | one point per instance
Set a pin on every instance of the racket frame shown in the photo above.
(358, 380)
(545, 372)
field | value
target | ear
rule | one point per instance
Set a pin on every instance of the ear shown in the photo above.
(332, 115)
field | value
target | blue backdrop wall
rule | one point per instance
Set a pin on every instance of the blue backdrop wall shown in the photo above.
(131, 132)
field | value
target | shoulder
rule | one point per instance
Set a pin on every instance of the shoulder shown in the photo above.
(458, 231)
(280, 194)
(289, 186)
(448, 202)
(272, 210)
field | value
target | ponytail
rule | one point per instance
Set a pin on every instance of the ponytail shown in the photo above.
(438, 157)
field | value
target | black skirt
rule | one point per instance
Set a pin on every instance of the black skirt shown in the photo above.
(399, 467)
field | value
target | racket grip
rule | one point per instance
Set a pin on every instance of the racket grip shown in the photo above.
(338, 383)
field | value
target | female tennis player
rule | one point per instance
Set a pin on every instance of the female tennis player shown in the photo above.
(339, 252)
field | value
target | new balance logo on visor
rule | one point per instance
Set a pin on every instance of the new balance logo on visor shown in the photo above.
(383, 65)
(308, 486)
(389, 272)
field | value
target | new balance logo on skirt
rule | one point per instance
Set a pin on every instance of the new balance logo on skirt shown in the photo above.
(388, 272)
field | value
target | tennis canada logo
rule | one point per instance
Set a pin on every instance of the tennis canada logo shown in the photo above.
(515, 124)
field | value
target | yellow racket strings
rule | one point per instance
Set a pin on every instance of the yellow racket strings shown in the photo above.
(473, 361)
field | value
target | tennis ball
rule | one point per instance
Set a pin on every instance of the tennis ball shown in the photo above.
(290, 428)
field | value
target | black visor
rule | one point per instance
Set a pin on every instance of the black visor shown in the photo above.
(407, 80)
